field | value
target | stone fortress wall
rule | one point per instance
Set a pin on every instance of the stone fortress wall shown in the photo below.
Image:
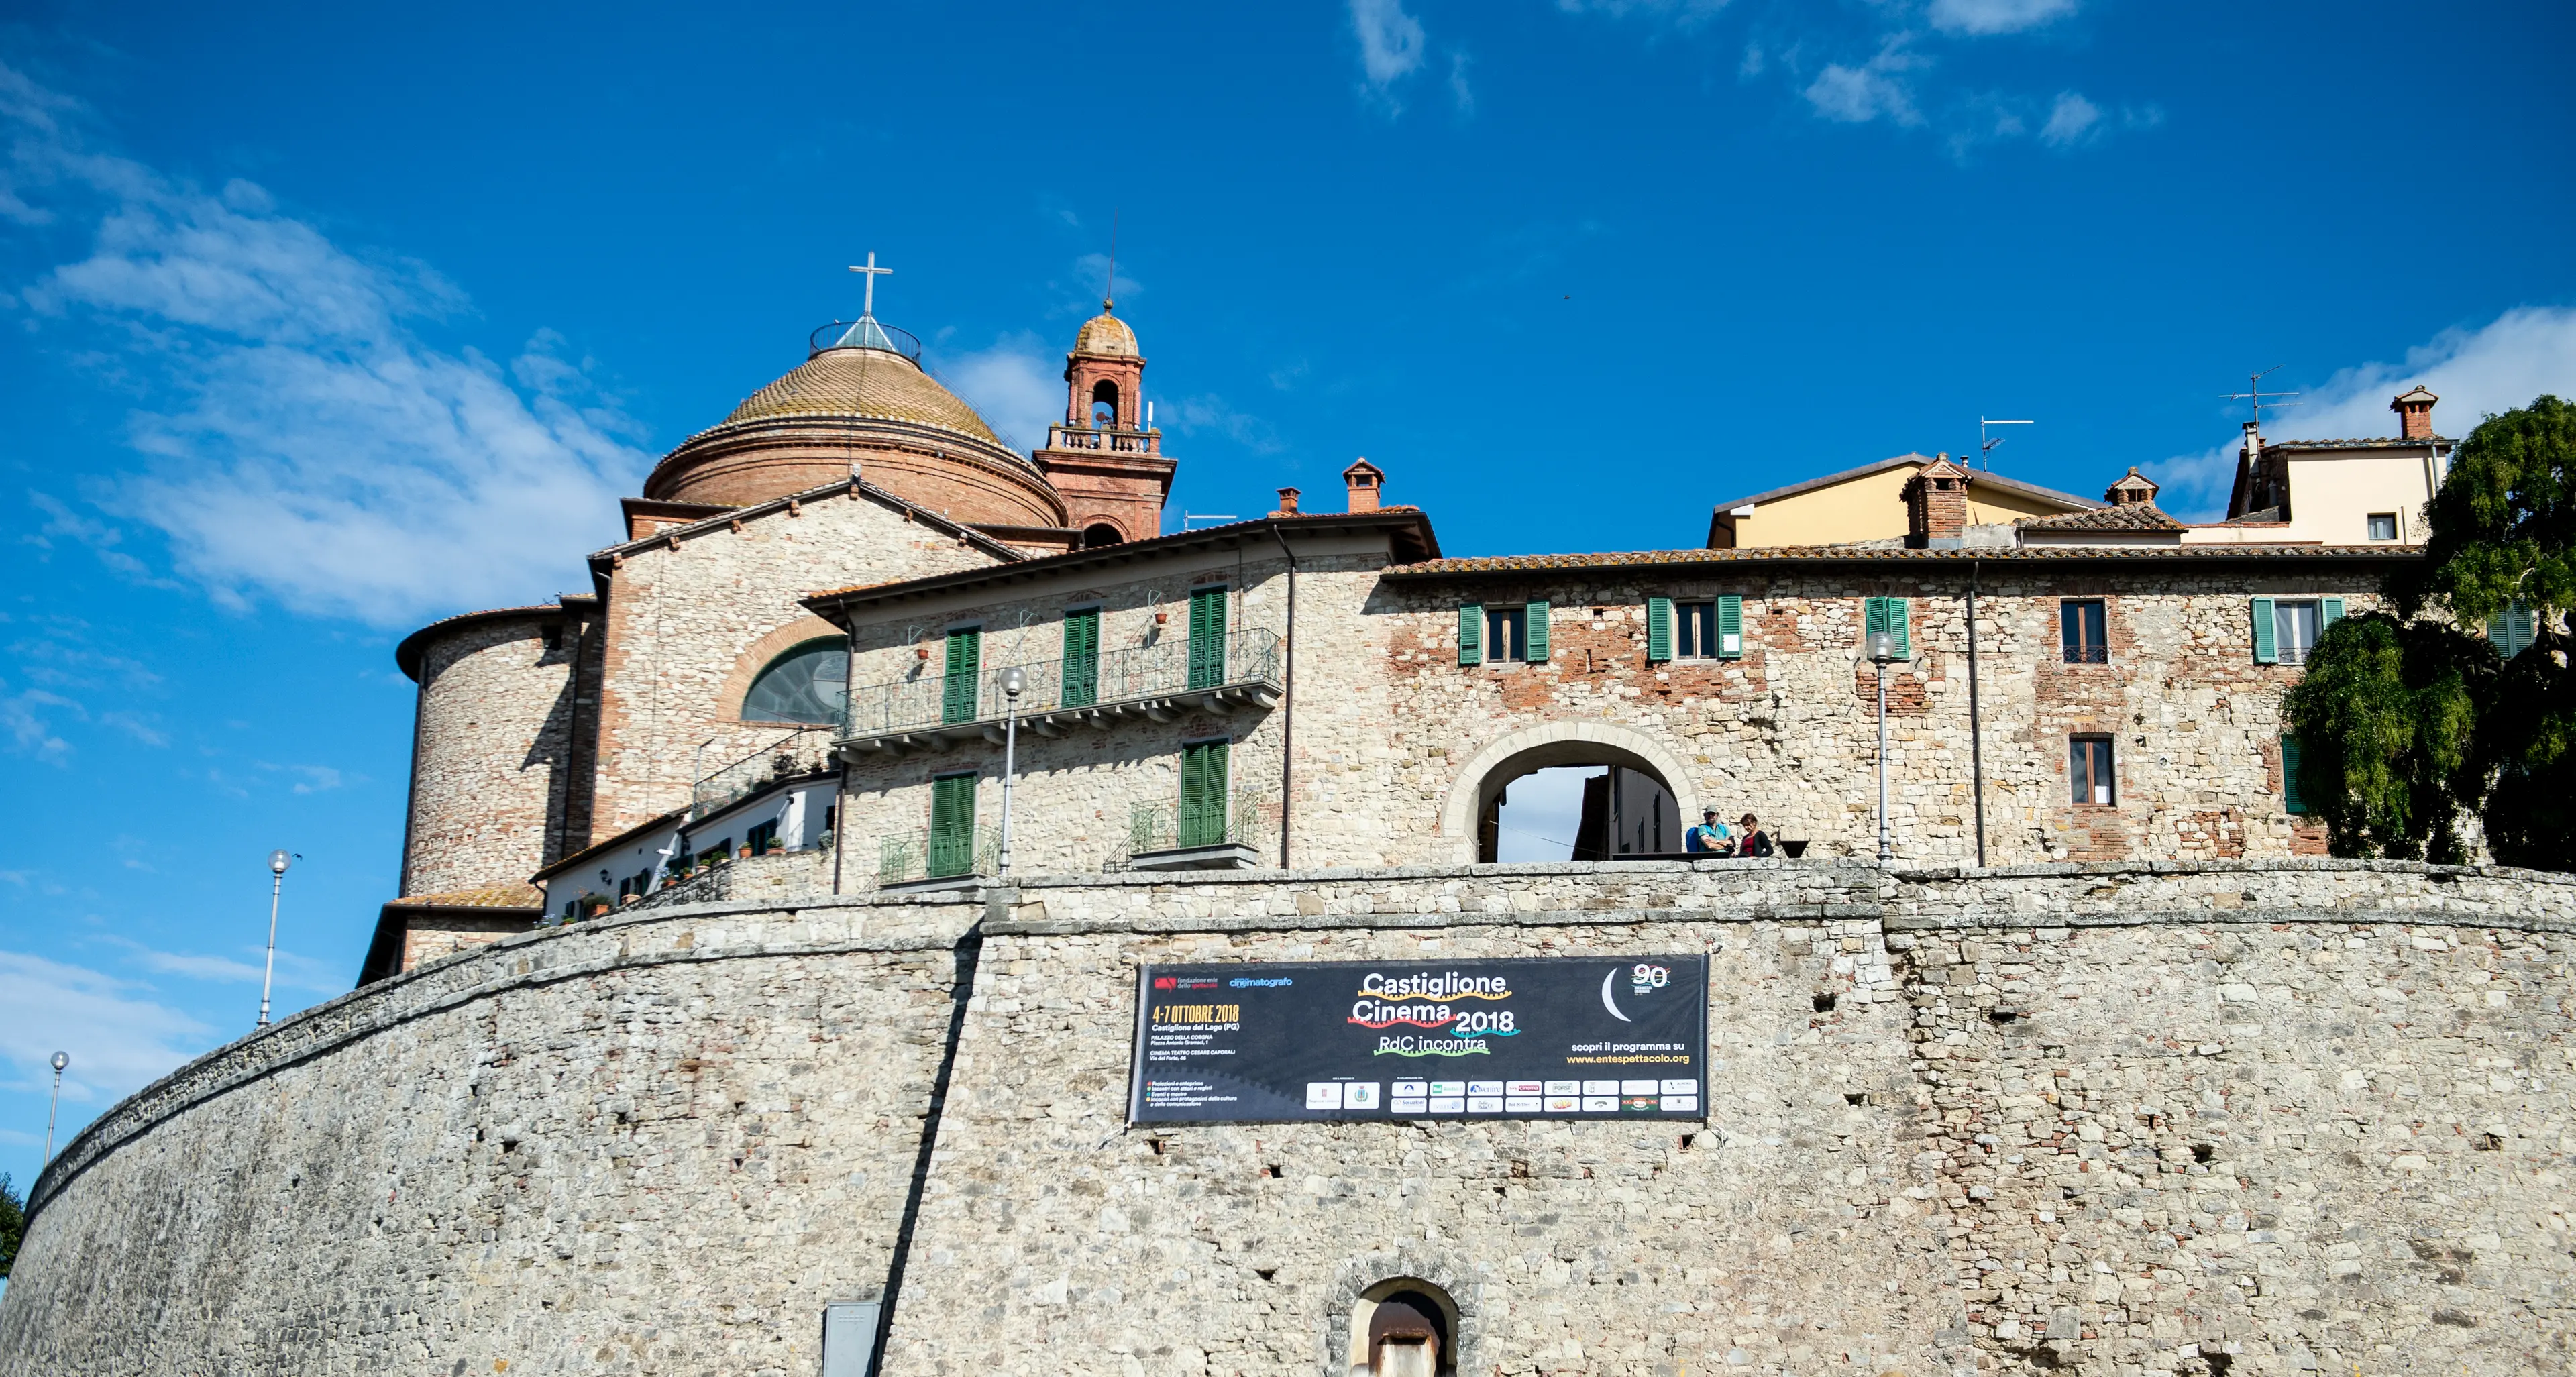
(2258, 1116)
(493, 749)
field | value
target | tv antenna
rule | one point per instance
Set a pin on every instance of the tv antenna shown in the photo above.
(2254, 393)
(1986, 445)
(1109, 289)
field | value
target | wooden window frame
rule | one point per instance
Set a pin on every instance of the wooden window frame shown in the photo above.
(2070, 641)
(2100, 785)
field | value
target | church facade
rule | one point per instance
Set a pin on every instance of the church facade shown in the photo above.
(719, 1027)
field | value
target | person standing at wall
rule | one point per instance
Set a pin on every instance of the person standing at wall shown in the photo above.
(1710, 837)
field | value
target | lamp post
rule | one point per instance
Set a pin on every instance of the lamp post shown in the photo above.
(60, 1061)
(1015, 681)
(277, 863)
(1882, 648)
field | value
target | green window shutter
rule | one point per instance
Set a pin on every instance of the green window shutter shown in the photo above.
(1659, 630)
(1537, 632)
(2290, 799)
(1207, 637)
(952, 825)
(1471, 634)
(1202, 820)
(2513, 629)
(1900, 621)
(1730, 626)
(2267, 649)
(2329, 611)
(1081, 674)
(1873, 619)
(965, 666)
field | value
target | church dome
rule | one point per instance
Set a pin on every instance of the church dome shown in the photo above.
(1105, 334)
(874, 384)
(860, 402)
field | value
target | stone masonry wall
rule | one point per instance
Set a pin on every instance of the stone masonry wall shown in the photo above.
(489, 766)
(1790, 730)
(2260, 1116)
(685, 616)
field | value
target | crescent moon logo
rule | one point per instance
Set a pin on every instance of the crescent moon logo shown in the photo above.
(1605, 996)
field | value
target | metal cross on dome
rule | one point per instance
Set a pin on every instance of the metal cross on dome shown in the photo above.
(872, 272)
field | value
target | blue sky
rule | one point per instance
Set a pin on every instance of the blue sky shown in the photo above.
(317, 323)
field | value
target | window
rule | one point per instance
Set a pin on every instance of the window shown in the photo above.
(1694, 631)
(2290, 800)
(1203, 794)
(1506, 635)
(952, 825)
(1104, 405)
(2088, 770)
(2513, 629)
(965, 666)
(1890, 615)
(2383, 525)
(1081, 675)
(809, 683)
(1207, 637)
(2286, 629)
(717, 854)
(762, 838)
(2079, 623)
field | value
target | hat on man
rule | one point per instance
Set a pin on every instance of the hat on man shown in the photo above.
(1706, 813)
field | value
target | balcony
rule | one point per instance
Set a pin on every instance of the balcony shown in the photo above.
(938, 858)
(1204, 837)
(1155, 683)
(1110, 441)
(804, 751)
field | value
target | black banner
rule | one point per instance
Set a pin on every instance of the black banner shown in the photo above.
(1559, 1037)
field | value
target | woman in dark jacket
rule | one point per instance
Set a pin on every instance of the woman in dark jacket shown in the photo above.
(1754, 841)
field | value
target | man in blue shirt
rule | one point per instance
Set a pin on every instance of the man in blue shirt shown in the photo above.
(1710, 837)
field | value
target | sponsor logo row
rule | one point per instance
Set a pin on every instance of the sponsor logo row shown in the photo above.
(1427, 1097)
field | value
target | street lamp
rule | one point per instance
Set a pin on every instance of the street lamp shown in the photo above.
(277, 863)
(1015, 681)
(60, 1061)
(1882, 648)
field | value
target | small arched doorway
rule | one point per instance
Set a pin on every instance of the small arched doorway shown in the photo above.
(1100, 533)
(1611, 792)
(1404, 1327)
(1104, 405)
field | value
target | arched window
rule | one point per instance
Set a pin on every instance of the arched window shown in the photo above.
(809, 683)
(1099, 534)
(1104, 405)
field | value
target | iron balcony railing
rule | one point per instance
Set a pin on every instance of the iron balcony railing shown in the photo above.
(938, 854)
(1242, 668)
(800, 752)
(1157, 827)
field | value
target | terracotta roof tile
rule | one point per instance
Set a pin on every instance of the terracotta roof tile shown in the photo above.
(1839, 554)
(2144, 517)
(497, 896)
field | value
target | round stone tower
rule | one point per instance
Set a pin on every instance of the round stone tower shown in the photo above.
(860, 398)
(496, 788)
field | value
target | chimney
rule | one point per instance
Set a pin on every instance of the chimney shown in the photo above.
(2135, 490)
(2414, 413)
(1936, 506)
(1364, 479)
(1287, 502)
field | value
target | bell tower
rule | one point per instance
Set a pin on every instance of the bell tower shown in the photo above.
(1105, 460)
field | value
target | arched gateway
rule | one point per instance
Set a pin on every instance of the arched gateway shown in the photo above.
(1482, 779)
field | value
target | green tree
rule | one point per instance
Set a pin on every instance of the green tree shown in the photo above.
(2406, 721)
(2386, 721)
(13, 1224)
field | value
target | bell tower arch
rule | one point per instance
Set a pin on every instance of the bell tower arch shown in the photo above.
(1106, 460)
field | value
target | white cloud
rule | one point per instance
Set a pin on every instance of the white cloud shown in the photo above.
(2496, 367)
(1461, 95)
(1017, 386)
(1391, 41)
(2070, 121)
(1685, 14)
(1211, 415)
(1996, 16)
(313, 450)
(118, 1039)
(1876, 89)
